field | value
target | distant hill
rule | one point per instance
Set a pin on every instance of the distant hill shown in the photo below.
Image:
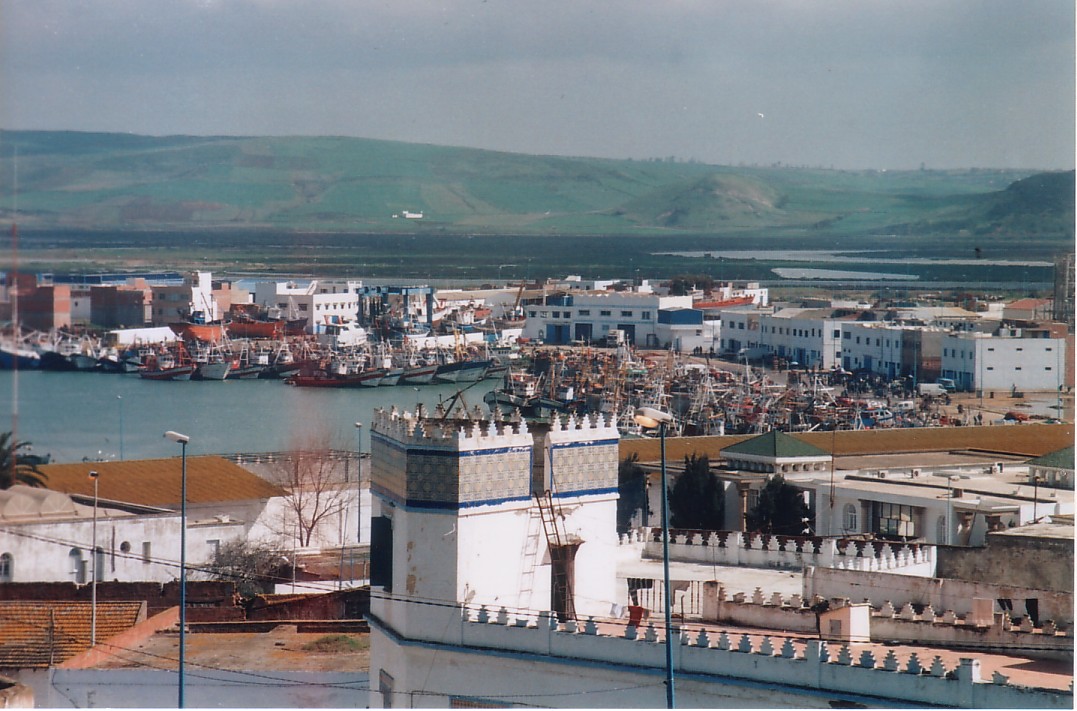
(120, 182)
(1039, 205)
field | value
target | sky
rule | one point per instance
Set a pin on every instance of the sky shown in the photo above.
(847, 84)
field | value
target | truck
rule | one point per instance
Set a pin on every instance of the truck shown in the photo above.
(930, 389)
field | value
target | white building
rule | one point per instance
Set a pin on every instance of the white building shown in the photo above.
(493, 559)
(47, 536)
(320, 302)
(1004, 363)
(593, 316)
(811, 337)
(876, 347)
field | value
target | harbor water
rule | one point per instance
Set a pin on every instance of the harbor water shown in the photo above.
(76, 416)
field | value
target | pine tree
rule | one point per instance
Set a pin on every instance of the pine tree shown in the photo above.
(697, 500)
(632, 490)
(781, 509)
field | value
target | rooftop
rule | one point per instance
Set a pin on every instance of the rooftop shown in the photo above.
(157, 482)
(39, 634)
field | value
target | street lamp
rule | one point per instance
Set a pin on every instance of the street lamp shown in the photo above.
(93, 568)
(182, 439)
(650, 418)
(1035, 495)
(359, 483)
(950, 509)
(120, 398)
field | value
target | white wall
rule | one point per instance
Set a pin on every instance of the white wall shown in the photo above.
(203, 688)
(42, 551)
(553, 665)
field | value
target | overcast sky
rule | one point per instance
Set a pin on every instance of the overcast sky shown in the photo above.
(842, 83)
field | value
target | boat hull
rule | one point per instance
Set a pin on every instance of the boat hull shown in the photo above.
(422, 375)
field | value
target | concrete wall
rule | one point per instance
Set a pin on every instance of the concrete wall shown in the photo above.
(208, 688)
(879, 588)
(1046, 563)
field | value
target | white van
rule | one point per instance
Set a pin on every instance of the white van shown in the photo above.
(930, 389)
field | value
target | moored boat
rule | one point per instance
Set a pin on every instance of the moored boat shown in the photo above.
(462, 371)
(422, 374)
(323, 379)
(166, 365)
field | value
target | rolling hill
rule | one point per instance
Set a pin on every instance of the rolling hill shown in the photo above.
(119, 182)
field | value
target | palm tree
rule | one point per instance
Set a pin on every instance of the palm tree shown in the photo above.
(17, 466)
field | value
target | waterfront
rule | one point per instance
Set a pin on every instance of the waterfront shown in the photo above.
(74, 416)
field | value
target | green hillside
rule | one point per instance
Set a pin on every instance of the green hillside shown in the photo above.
(117, 183)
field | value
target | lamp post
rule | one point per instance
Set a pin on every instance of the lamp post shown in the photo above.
(93, 567)
(1035, 495)
(950, 509)
(120, 398)
(650, 418)
(182, 439)
(358, 482)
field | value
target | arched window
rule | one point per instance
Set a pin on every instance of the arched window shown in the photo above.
(849, 523)
(99, 564)
(7, 568)
(78, 565)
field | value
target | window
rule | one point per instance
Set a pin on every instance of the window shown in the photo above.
(848, 519)
(626, 314)
(605, 312)
(940, 531)
(585, 312)
(385, 688)
(214, 545)
(7, 568)
(647, 315)
(146, 549)
(893, 520)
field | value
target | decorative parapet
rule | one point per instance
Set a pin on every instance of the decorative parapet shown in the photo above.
(582, 454)
(449, 464)
(737, 548)
(786, 663)
(887, 623)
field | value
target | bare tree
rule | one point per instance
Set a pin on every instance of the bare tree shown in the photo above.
(317, 491)
(253, 567)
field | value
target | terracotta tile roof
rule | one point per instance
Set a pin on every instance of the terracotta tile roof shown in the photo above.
(156, 482)
(25, 629)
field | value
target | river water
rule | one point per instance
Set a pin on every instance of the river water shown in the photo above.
(77, 417)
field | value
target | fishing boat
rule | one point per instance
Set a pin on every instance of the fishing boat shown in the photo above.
(113, 360)
(462, 371)
(166, 365)
(324, 379)
(18, 355)
(419, 374)
(210, 363)
(197, 328)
